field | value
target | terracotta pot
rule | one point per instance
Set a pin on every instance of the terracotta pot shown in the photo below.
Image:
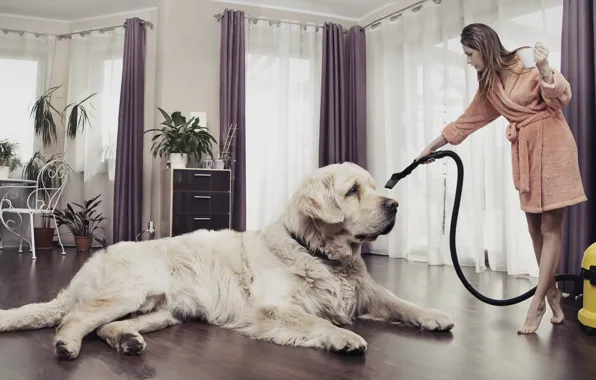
(44, 237)
(83, 243)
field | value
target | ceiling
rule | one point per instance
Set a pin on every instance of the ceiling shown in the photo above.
(354, 10)
(70, 10)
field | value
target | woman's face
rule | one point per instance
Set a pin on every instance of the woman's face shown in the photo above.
(474, 58)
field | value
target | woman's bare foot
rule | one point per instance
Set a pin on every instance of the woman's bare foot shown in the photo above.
(533, 318)
(553, 296)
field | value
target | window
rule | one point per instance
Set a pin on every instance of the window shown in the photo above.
(281, 125)
(110, 100)
(19, 83)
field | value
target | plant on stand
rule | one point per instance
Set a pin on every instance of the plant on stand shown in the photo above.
(9, 158)
(82, 221)
(180, 139)
(45, 127)
(44, 235)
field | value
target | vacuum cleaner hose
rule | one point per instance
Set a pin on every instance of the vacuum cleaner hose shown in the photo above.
(452, 233)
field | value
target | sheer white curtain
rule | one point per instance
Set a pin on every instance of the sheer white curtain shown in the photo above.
(95, 68)
(26, 61)
(283, 87)
(418, 81)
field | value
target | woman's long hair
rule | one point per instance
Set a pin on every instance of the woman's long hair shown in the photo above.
(483, 38)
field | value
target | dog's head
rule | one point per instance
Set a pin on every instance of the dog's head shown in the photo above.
(341, 203)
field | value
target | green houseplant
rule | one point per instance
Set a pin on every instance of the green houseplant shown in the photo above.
(44, 235)
(9, 158)
(78, 117)
(43, 118)
(181, 138)
(82, 221)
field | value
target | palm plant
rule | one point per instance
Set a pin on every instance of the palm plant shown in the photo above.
(43, 120)
(77, 118)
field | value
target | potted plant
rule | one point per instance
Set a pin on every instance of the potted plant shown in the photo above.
(9, 159)
(181, 138)
(82, 221)
(44, 235)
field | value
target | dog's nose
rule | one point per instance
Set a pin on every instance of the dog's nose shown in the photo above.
(390, 204)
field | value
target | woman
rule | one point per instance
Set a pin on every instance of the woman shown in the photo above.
(544, 153)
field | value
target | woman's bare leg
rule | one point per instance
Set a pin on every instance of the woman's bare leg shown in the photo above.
(553, 294)
(551, 229)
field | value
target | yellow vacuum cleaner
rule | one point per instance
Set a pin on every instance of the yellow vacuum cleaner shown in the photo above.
(587, 315)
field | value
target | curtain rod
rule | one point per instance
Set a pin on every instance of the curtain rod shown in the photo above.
(68, 35)
(398, 13)
(218, 17)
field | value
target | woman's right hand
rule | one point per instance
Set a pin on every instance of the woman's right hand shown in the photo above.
(428, 150)
(432, 147)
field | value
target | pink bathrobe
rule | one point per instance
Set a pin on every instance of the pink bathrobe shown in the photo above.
(544, 153)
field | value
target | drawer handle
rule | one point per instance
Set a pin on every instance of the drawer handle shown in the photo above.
(202, 197)
(197, 219)
(202, 175)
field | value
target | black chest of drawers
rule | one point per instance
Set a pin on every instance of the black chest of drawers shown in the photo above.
(196, 199)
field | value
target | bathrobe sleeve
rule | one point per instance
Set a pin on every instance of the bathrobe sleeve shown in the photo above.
(558, 94)
(479, 113)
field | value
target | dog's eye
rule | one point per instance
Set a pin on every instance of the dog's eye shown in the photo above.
(353, 190)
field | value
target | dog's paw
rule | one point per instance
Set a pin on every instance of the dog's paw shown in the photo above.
(66, 350)
(433, 320)
(131, 344)
(346, 342)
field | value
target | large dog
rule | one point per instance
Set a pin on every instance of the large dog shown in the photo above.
(292, 283)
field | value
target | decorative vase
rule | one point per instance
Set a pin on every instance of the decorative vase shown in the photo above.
(4, 171)
(83, 243)
(44, 237)
(178, 160)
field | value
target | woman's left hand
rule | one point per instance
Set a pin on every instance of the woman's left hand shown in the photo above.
(540, 56)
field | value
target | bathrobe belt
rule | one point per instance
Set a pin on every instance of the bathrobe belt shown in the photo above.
(517, 135)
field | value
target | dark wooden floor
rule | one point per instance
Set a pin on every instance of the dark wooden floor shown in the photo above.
(483, 344)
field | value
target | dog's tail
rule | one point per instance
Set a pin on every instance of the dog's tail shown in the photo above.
(35, 315)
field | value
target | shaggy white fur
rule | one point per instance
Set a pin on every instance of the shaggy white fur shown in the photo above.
(270, 284)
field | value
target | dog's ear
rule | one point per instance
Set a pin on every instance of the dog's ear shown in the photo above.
(317, 199)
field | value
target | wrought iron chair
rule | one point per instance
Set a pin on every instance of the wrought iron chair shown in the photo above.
(42, 200)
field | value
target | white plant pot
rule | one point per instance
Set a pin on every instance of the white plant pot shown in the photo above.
(178, 160)
(4, 171)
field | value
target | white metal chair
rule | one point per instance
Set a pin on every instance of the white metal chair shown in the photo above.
(42, 200)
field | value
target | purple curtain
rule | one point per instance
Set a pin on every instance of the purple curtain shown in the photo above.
(356, 96)
(332, 135)
(579, 66)
(343, 98)
(128, 184)
(232, 107)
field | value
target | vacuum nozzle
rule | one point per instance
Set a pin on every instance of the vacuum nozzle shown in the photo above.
(396, 177)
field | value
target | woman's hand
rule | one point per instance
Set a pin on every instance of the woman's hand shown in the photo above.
(540, 56)
(425, 153)
(431, 148)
